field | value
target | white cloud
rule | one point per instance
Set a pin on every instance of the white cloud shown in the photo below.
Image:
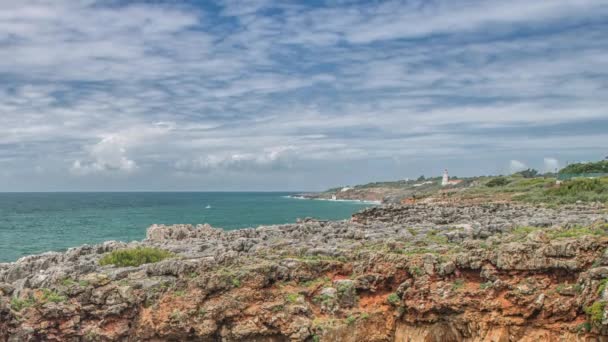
(103, 88)
(270, 159)
(550, 164)
(516, 166)
(108, 155)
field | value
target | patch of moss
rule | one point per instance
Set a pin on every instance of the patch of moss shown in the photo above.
(134, 256)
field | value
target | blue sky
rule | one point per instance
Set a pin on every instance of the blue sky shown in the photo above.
(302, 95)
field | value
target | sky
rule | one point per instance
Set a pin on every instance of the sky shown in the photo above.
(261, 95)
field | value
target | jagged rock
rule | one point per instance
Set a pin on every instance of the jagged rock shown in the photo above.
(457, 269)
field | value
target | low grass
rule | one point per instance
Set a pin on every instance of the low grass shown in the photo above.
(578, 232)
(18, 304)
(135, 256)
(52, 296)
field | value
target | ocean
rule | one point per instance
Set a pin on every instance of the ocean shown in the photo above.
(32, 223)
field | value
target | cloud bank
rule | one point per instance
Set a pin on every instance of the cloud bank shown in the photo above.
(269, 95)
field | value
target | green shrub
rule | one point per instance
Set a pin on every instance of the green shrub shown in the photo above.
(577, 186)
(529, 173)
(596, 312)
(393, 299)
(350, 320)
(134, 256)
(498, 181)
(597, 167)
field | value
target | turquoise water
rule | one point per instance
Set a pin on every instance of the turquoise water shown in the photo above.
(33, 223)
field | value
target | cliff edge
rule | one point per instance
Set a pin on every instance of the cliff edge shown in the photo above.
(424, 272)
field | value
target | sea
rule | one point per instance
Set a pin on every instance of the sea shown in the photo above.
(33, 223)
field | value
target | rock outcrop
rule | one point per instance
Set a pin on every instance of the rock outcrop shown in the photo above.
(492, 272)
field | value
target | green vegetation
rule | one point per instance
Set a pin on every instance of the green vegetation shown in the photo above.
(364, 315)
(596, 312)
(19, 304)
(179, 293)
(350, 320)
(522, 232)
(457, 284)
(597, 167)
(486, 285)
(578, 232)
(68, 282)
(134, 256)
(529, 173)
(416, 271)
(52, 296)
(581, 185)
(438, 239)
(498, 181)
(176, 315)
(315, 282)
(418, 250)
(277, 308)
(583, 327)
(602, 286)
(236, 282)
(571, 191)
(292, 297)
(571, 232)
(393, 299)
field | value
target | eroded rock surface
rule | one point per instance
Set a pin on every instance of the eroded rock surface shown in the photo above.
(489, 272)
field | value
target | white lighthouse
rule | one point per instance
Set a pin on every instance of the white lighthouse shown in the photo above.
(446, 178)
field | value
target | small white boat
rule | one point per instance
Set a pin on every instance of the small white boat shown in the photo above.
(208, 206)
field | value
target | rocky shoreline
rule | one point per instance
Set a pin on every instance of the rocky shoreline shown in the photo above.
(424, 272)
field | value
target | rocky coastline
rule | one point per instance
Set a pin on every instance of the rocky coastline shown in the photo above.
(422, 272)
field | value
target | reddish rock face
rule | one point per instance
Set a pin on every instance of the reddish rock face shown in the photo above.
(494, 272)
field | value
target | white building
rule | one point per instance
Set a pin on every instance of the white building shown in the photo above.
(446, 178)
